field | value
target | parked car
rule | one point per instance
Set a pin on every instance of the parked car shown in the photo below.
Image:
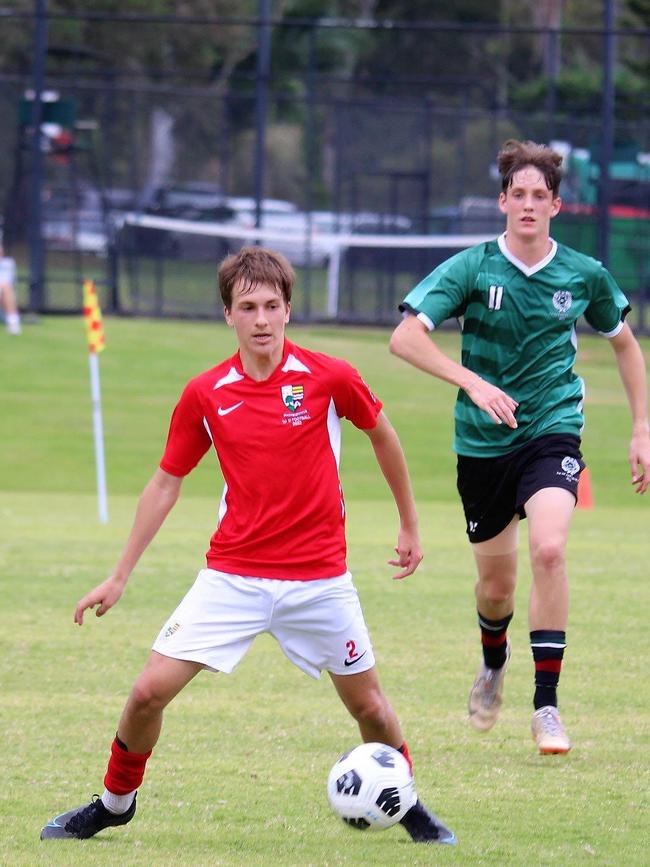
(310, 238)
(198, 202)
(472, 215)
(204, 201)
(305, 238)
(82, 219)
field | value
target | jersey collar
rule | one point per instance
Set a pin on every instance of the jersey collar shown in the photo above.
(528, 271)
(288, 362)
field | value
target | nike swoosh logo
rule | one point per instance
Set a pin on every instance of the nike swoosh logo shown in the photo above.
(348, 662)
(55, 823)
(228, 409)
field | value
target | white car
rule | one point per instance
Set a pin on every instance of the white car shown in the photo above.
(82, 220)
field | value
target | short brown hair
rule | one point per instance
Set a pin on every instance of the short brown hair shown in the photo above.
(254, 266)
(516, 155)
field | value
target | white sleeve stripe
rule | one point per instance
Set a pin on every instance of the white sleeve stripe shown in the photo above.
(614, 331)
(207, 427)
(425, 319)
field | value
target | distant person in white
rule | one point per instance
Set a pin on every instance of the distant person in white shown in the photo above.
(8, 292)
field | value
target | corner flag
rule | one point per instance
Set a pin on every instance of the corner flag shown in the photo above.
(93, 318)
(96, 343)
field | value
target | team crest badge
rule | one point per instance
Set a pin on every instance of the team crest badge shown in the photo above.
(293, 396)
(562, 300)
(570, 465)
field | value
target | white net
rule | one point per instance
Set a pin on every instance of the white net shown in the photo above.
(167, 266)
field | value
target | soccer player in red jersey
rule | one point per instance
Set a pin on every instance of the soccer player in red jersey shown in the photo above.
(277, 560)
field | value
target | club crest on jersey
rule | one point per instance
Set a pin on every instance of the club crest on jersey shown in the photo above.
(562, 301)
(293, 396)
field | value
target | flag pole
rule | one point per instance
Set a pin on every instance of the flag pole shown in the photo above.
(96, 344)
(98, 432)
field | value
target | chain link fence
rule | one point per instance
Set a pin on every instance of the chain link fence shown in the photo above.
(309, 139)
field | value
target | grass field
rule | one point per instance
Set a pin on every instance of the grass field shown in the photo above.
(238, 777)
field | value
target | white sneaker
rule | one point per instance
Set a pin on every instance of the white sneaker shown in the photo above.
(549, 732)
(486, 695)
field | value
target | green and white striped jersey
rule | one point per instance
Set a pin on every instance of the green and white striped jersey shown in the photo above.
(519, 333)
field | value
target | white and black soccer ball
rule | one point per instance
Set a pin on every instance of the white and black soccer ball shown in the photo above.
(371, 787)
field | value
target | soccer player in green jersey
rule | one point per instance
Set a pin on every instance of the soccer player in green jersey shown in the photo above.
(518, 416)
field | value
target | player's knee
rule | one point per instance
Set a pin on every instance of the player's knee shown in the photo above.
(496, 592)
(548, 555)
(371, 708)
(146, 697)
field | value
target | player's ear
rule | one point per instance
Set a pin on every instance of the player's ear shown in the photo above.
(287, 314)
(502, 202)
(556, 206)
(227, 316)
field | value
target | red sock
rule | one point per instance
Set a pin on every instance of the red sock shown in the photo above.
(404, 750)
(125, 770)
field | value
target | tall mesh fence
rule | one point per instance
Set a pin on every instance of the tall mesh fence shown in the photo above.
(404, 151)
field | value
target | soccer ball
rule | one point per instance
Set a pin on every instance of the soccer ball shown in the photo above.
(371, 787)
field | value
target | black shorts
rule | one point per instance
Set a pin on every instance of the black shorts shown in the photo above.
(494, 490)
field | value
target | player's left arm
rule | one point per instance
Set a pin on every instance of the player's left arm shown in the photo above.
(632, 369)
(391, 460)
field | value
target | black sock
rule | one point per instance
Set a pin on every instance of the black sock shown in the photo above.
(494, 639)
(548, 650)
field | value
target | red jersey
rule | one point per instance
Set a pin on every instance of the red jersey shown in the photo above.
(282, 512)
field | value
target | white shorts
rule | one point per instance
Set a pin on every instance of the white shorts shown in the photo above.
(7, 270)
(318, 624)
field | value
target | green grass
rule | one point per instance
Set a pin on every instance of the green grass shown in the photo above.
(239, 775)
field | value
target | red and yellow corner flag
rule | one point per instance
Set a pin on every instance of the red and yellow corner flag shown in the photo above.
(93, 318)
(95, 334)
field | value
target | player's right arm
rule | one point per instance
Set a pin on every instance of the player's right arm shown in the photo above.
(411, 342)
(155, 503)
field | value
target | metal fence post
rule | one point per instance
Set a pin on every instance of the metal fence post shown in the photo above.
(36, 250)
(261, 103)
(607, 147)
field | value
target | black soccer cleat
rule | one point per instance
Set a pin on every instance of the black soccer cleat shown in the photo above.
(83, 822)
(424, 827)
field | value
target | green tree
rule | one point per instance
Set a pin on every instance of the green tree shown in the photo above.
(637, 15)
